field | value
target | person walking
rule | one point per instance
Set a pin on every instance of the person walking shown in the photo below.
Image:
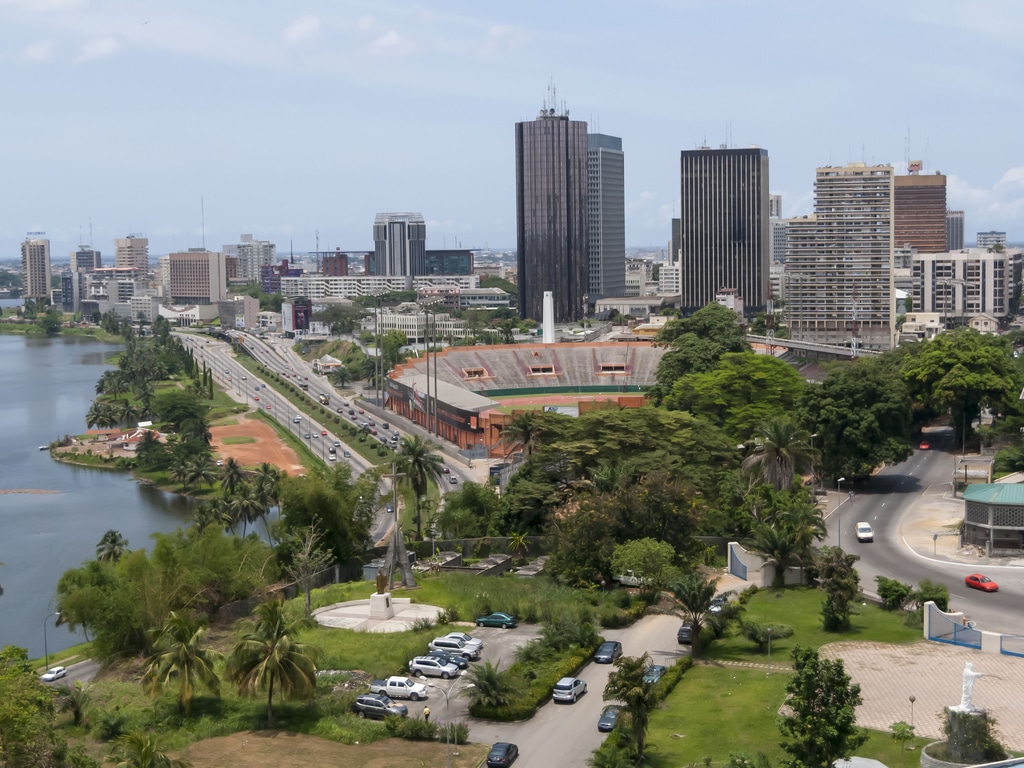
(426, 714)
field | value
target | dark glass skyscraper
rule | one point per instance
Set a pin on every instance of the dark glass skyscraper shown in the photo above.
(551, 215)
(724, 228)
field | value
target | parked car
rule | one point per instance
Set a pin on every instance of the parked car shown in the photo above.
(448, 658)
(54, 673)
(979, 581)
(568, 689)
(654, 673)
(377, 706)
(503, 620)
(503, 753)
(469, 640)
(608, 652)
(430, 666)
(864, 532)
(717, 604)
(609, 716)
(455, 646)
(685, 635)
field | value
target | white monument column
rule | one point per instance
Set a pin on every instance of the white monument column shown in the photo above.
(548, 321)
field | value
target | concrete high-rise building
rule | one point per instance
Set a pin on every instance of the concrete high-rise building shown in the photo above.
(839, 262)
(400, 244)
(725, 232)
(35, 268)
(966, 283)
(775, 206)
(132, 251)
(606, 200)
(920, 212)
(252, 255)
(954, 230)
(991, 238)
(85, 259)
(551, 215)
(196, 276)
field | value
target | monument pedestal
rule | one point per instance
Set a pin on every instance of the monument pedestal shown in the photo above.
(381, 607)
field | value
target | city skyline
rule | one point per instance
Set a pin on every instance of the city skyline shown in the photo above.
(281, 123)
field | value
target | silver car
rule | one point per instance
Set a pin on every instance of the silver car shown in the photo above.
(469, 640)
(455, 646)
(430, 666)
(568, 689)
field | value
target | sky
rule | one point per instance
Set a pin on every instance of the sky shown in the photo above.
(298, 120)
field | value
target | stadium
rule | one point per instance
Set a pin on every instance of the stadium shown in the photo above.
(475, 390)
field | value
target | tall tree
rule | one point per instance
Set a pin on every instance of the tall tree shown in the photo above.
(694, 594)
(627, 684)
(420, 464)
(521, 433)
(179, 659)
(231, 475)
(823, 727)
(112, 547)
(841, 583)
(308, 560)
(648, 559)
(780, 449)
(268, 656)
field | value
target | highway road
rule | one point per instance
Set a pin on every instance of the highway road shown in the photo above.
(891, 496)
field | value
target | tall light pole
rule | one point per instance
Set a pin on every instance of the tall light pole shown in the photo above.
(447, 725)
(839, 514)
(769, 649)
(912, 700)
(46, 647)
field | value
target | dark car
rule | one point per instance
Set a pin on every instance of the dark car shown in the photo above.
(609, 715)
(503, 753)
(377, 706)
(608, 652)
(503, 620)
(450, 658)
(654, 673)
(685, 634)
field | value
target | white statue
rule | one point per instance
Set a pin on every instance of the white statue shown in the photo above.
(965, 704)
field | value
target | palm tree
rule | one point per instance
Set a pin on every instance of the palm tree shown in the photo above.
(180, 658)
(694, 595)
(207, 514)
(491, 688)
(420, 464)
(101, 414)
(140, 750)
(626, 684)
(73, 698)
(126, 411)
(112, 547)
(181, 472)
(517, 542)
(780, 546)
(269, 656)
(231, 475)
(781, 449)
(244, 506)
(201, 472)
(522, 432)
(196, 430)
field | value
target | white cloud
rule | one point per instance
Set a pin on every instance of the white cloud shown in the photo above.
(503, 37)
(391, 43)
(364, 23)
(41, 51)
(989, 208)
(42, 5)
(302, 30)
(98, 49)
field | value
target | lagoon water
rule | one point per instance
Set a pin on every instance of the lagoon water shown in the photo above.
(46, 387)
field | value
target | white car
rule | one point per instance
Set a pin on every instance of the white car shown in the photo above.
(864, 532)
(469, 640)
(431, 666)
(54, 674)
(568, 689)
(455, 647)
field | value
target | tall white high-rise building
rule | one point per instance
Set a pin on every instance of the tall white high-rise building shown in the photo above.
(133, 252)
(252, 254)
(35, 267)
(839, 262)
(606, 216)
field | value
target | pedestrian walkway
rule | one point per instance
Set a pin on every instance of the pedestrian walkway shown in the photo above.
(932, 673)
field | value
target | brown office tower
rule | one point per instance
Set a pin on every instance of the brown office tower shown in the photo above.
(920, 212)
(551, 215)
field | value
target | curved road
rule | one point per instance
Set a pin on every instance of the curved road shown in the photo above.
(885, 502)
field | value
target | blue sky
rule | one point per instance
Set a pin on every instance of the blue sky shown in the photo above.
(290, 119)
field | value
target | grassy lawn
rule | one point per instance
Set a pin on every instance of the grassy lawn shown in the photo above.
(800, 608)
(737, 712)
(240, 440)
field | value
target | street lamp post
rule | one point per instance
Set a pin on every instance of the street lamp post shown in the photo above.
(839, 514)
(447, 725)
(912, 700)
(46, 647)
(769, 650)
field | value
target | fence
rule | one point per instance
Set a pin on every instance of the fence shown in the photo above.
(951, 628)
(1011, 645)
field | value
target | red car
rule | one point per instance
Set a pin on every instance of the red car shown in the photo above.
(925, 445)
(268, 407)
(257, 398)
(323, 432)
(984, 583)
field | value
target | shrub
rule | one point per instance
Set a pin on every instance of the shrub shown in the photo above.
(761, 634)
(423, 622)
(895, 594)
(457, 733)
(937, 593)
(111, 725)
(746, 594)
(411, 728)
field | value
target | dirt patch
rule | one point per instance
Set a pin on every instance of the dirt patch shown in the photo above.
(265, 445)
(292, 750)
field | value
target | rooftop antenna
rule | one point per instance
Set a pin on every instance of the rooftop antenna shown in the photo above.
(906, 150)
(317, 250)
(202, 214)
(90, 231)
